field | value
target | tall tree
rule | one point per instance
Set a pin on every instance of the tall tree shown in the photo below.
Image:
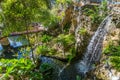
(19, 13)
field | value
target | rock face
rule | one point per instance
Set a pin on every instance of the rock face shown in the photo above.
(104, 71)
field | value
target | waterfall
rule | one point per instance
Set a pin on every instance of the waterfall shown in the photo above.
(94, 49)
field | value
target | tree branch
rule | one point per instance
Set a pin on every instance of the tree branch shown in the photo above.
(23, 33)
(56, 57)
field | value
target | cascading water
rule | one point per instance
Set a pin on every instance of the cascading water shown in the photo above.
(94, 48)
(92, 54)
(93, 51)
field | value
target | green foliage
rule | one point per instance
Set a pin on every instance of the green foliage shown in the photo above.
(78, 78)
(46, 38)
(114, 53)
(46, 69)
(104, 7)
(115, 60)
(65, 40)
(18, 69)
(93, 14)
(97, 13)
(72, 54)
(82, 31)
(19, 14)
(58, 11)
(63, 1)
(47, 17)
(43, 49)
(25, 52)
(1, 17)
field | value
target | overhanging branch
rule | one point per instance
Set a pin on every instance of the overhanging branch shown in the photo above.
(23, 33)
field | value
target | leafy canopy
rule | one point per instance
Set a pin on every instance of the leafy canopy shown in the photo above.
(19, 14)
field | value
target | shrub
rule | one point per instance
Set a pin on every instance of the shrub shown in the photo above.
(18, 69)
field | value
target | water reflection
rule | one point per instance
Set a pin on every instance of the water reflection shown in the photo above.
(13, 46)
(17, 41)
(1, 49)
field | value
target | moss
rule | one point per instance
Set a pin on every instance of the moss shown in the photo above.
(114, 52)
(82, 31)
